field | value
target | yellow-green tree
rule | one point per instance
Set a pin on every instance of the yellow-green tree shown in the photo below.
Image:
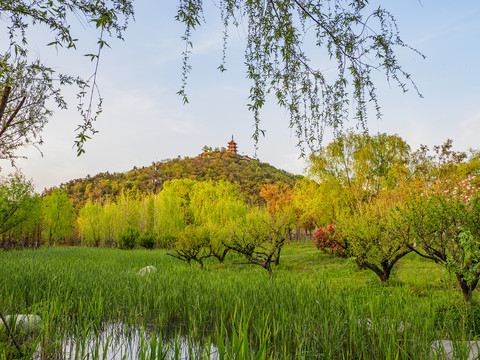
(89, 224)
(20, 212)
(259, 237)
(58, 217)
(372, 235)
(443, 213)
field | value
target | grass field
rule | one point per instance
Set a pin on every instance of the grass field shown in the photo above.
(314, 307)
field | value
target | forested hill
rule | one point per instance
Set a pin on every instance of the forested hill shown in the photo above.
(251, 175)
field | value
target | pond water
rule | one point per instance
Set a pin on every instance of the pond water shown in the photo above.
(117, 342)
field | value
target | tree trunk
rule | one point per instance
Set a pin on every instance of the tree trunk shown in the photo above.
(383, 273)
(385, 276)
(467, 290)
(277, 256)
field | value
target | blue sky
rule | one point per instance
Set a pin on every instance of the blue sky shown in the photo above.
(144, 120)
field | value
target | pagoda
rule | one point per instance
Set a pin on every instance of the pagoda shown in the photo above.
(232, 147)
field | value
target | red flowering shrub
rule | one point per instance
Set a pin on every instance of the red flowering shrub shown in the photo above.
(327, 239)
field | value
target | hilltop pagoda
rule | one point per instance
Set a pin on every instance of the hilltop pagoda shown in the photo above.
(232, 147)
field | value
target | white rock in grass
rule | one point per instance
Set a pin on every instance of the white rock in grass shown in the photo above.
(446, 349)
(382, 324)
(23, 322)
(146, 270)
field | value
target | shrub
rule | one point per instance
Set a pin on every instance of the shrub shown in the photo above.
(327, 239)
(166, 240)
(128, 238)
(147, 240)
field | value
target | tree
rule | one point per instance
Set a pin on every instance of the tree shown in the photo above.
(58, 216)
(371, 236)
(363, 164)
(192, 244)
(354, 169)
(447, 231)
(26, 83)
(315, 203)
(443, 212)
(282, 36)
(282, 40)
(128, 238)
(89, 224)
(259, 237)
(16, 200)
(20, 208)
(364, 176)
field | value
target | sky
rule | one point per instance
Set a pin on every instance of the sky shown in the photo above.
(144, 120)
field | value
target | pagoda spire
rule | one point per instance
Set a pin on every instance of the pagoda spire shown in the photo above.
(232, 146)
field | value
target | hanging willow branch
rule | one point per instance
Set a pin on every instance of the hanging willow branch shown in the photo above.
(291, 47)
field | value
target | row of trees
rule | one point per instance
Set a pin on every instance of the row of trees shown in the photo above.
(194, 219)
(28, 220)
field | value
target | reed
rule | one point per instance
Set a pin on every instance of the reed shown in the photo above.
(92, 302)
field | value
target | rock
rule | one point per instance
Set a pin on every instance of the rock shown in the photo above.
(23, 322)
(446, 349)
(382, 324)
(146, 270)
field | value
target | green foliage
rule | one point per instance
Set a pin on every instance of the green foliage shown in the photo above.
(90, 224)
(29, 83)
(16, 201)
(147, 240)
(371, 237)
(362, 163)
(448, 231)
(174, 210)
(357, 39)
(58, 217)
(216, 203)
(362, 178)
(128, 238)
(28, 233)
(259, 237)
(166, 240)
(192, 244)
(467, 262)
(249, 175)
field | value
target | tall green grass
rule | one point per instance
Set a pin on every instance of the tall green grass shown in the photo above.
(314, 307)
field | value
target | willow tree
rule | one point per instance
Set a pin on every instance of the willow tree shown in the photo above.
(27, 84)
(291, 45)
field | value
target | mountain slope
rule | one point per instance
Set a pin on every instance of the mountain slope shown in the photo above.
(251, 175)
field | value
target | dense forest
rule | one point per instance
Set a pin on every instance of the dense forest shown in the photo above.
(249, 174)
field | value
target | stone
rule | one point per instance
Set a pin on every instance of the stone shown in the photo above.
(446, 349)
(23, 322)
(370, 325)
(146, 270)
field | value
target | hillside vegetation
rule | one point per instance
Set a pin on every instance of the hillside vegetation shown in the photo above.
(251, 175)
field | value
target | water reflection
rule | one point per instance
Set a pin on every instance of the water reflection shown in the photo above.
(118, 342)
